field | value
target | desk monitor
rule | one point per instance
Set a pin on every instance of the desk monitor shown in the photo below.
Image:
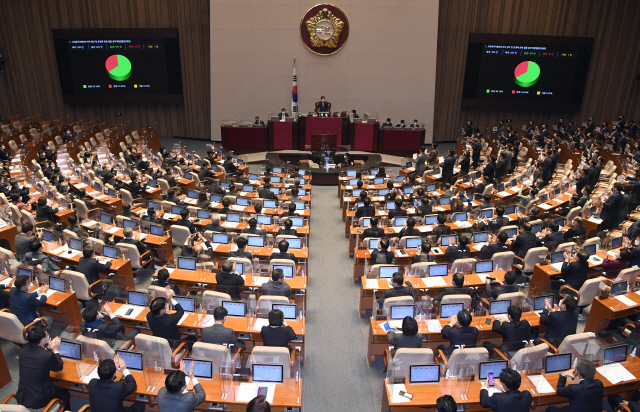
(153, 205)
(187, 263)
(187, 303)
(557, 192)
(424, 374)
(233, 217)
(514, 182)
(294, 244)
(133, 360)
(366, 221)
(235, 308)
(390, 205)
(399, 179)
(70, 350)
(488, 213)
(480, 237)
(444, 201)
(289, 311)
(431, 188)
(75, 244)
(22, 271)
(544, 198)
(431, 220)
(448, 240)
(413, 242)
(269, 204)
(557, 257)
(354, 192)
(561, 221)
(402, 311)
(539, 302)
(616, 242)
(511, 232)
(175, 209)
(378, 181)
(557, 363)
(253, 176)
(156, 230)
(264, 220)
(499, 307)
(216, 198)
(373, 172)
(351, 173)
(187, 176)
(593, 210)
(56, 283)
(408, 190)
(47, 235)
(535, 228)
(619, 288)
(65, 203)
(614, 353)
(591, 249)
(450, 309)
(298, 221)
(239, 268)
(276, 179)
(287, 270)
(460, 216)
(255, 241)
(386, 272)
(510, 209)
(277, 170)
(400, 221)
(299, 204)
(222, 238)
(383, 192)
(203, 214)
(492, 366)
(436, 171)
(438, 270)
(127, 223)
(96, 186)
(500, 187)
(373, 243)
(261, 372)
(225, 185)
(484, 266)
(353, 182)
(247, 188)
(359, 205)
(465, 179)
(242, 201)
(111, 192)
(85, 180)
(138, 298)
(110, 251)
(201, 368)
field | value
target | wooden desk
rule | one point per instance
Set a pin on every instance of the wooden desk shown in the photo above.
(603, 310)
(540, 282)
(9, 234)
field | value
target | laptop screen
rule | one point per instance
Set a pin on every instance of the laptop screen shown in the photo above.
(373, 243)
(267, 373)
(186, 263)
(424, 374)
(414, 242)
(56, 283)
(25, 272)
(188, 304)
(287, 270)
(557, 363)
(126, 223)
(431, 219)
(431, 188)
(153, 205)
(242, 201)
(616, 242)
(480, 237)
(75, 244)
(400, 221)
(488, 213)
(591, 249)
(386, 272)
(255, 241)
(390, 205)
(156, 230)
(615, 353)
(264, 220)
(450, 240)
(294, 243)
(70, 350)
(247, 188)
(511, 232)
(277, 170)
(402, 311)
(289, 311)
(275, 190)
(175, 210)
(299, 205)
(510, 209)
(109, 251)
(539, 302)
(492, 366)
(619, 288)
(460, 217)
(450, 309)
(557, 257)
(438, 270)
(220, 238)
(484, 266)
(201, 368)
(499, 307)
(138, 298)
(133, 360)
(47, 235)
(269, 204)
(233, 217)
(444, 201)
(351, 173)
(187, 176)
(235, 308)
(535, 228)
(378, 181)
(560, 221)
(297, 221)
(203, 214)
(216, 198)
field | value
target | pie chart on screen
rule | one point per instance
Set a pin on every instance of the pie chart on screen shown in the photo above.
(118, 67)
(527, 74)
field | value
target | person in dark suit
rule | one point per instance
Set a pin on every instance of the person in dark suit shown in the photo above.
(135, 187)
(241, 253)
(23, 240)
(582, 180)
(500, 220)
(441, 228)
(35, 389)
(229, 166)
(253, 228)
(278, 333)
(585, 395)
(559, 323)
(94, 323)
(373, 230)
(174, 397)
(409, 229)
(91, 267)
(463, 335)
(469, 129)
(215, 224)
(219, 334)
(616, 400)
(24, 304)
(366, 210)
(397, 282)
(258, 122)
(398, 211)
(44, 212)
(265, 192)
(171, 197)
(577, 229)
(425, 254)
(425, 208)
(511, 400)
(184, 221)
(387, 123)
(501, 129)
(228, 280)
(162, 324)
(465, 164)
(106, 394)
(555, 237)
(421, 160)
(489, 170)
(499, 244)
(128, 238)
(287, 229)
(509, 286)
(162, 280)
(460, 251)
(354, 114)
(409, 338)
(612, 207)
(574, 274)
(401, 125)
(515, 332)
(283, 247)
(502, 168)
(524, 241)
(456, 289)
(170, 180)
(382, 255)
(447, 166)
(283, 114)
(476, 150)
(323, 106)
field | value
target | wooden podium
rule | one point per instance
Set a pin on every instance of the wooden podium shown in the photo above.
(322, 143)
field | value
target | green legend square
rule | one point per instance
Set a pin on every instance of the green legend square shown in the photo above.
(488, 90)
(84, 86)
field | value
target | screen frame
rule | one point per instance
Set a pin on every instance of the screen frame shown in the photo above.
(420, 366)
(546, 359)
(267, 364)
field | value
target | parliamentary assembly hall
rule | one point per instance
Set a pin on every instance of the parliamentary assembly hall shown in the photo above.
(293, 206)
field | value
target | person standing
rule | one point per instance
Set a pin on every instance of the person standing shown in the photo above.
(106, 394)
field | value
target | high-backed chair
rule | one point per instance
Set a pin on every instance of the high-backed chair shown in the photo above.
(404, 358)
(534, 256)
(464, 361)
(82, 210)
(54, 405)
(463, 265)
(275, 355)
(167, 357)
(13, 330)
(212, 352)
(573, 213)
(529, 357)
(212, 299)
(502, 260)
(459, 298)
(180, 235)
(396, 301)
(129, 200)
(265, 302)
(421, 267)
(627, 274)
(247, 265)
(99, 346)
(67, 234)
(516, 298)
(137, 260)
(28, 217)
(565, 246)
(282, 262)
(12, 261)
(586, 294)
(579, 345)
(375, 269)
(81, 285)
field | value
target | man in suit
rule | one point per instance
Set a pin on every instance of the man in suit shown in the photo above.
(510, 399)
(433, 155)
(215, 224)
(35, 389)
(621, 144)
(354, 114)
(367, 210)
(387, 123)
(574, 274)
(524, 241)
(135, 187)
(409, 229)
(106, 394)
(459, 251)
(555, 237)
(162, 324)
(398, 211)
(476, 149)
(632, 130)
(382, 255)
(500, 221)
(490, 169)
(91, 267)
(585, 395)
(425, 208)
(469, 129)
(219, 334)
(442, 228)
(456, 289)
(373, 230)
(447, 166)
(462, 335)
(174, 398)
(323, 106)
(398, 289)
(509, 286)
(501, 128)
(265, 192)
(93, 322)
(253, 228)
(276, 286)
(283, 114)
(24, 304)
(37, 257)
(171, 181)
(591, 125)
(415, 124)
(258, 122)
(499, 244)
(559, 323)
(23, 239)
(421, 160)
(547, 169)
(241, 243)
(128, 238)
(184, 221)
(515, 332)
(612, 206)
(283, 247)
(229, 280)
(577, 229)
(287, 229)
(583, 180)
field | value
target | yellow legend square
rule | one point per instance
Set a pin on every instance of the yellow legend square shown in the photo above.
(538, 91)
(135, 86)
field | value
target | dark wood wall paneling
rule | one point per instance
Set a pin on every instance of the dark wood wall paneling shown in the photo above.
(30, 85)
(611, 86)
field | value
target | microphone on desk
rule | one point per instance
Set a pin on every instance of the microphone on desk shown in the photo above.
(488, 277)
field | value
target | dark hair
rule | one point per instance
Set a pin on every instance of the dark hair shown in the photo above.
(398, 203)
(163, 275)
(515, 312)
(464, 317)
(463, 240)
(426, 246)
(570, 303)
(227, 265)
(411, 222)
(288, 223)
(397, 278)
(157, 305)
(446, 403)
(586, 369)
(42, 201)
(242, 242)
(184, 213)
(503, 237)
(226, 202)
(175, 381)
(21, 281)
(510, 378)
(73, 219)
(106, 369)
(277, 274)
(90, 313)
(220, 313)
(87, 251)
(554, 226)
(458, 279)
(409, 326)
(583, 255)
(526, 226)
(374, 222)
(510, 278)
(441, 219)
(384, 243)
(258, 404)
(35, 334)
(283, 246)
(35, 245)
(276, 317)
(500, 210)
(27, 227)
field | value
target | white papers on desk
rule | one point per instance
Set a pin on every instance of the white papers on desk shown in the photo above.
(112, 230)
(50, 292)
(104, 260)
(463, 224)
(248, 391)
(433, 325)
(233, 248)
(80, 185)
(557, 265)
(92, 375)
(260, 280)
(122, 310)
(395, 393)
(5, 283)
(436, 176)
(396, 324)
(625, 300)
(439, 209)
(491, 390)
(615, 373)
(411, 210)
(214, 204)
(260, 323)
(150, 189)
(372, 283)
(169, 216)
(545, 206)
(236, 207)
(434, 281)
(170, 270)
(397, 229)
(504, 194)
(208, 321)
(183, 318)
(557, 200)
(483, 276)
(596, 260)
(59, 250)
(595, 220)
(424, 229)
(541, 383)
(479, 246)
(102, 197)
(90, 223)
(411, 169)
(230, 225)
(190, 201)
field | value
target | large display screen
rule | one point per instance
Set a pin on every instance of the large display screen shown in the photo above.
(527, 72)
(119, 66)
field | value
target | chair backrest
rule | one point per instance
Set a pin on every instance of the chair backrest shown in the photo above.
(11, 328)
(420, 267)
(488, 189)
(28, 217)
(15, 408)
(375, 269)
(396, 301)
(282, 262)
(164, 185)
(627, 274)
(534, 256)
(79, 282)
(467, 361)
(101, 347)
(155, 292)
(126, 197)
(573, 213)
(529, 357)
(134, 254)
(404, 358)
(516, 298)
(166, 206)
(565, 246)
(579, 345)
(463, 265)
(97, 244)
(156, 347)
(179, 235)
(591, 241)
(212, 299)
(502, 260)
(247, 266)
(461, 298)
(284, 237)
(81, 208)
(67, 234)
(272, 354)
(212, 352)
(265, 302)
(15, 215)
(589, 290)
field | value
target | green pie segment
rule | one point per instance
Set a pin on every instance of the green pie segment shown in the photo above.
(118, 67)
(527, 74)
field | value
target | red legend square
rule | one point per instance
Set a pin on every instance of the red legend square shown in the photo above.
(109, 86)
(512, 91)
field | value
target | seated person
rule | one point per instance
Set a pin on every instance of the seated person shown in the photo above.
(486, 204)
(253, 228)
(287, 230)
(425, 255)
(577, 229)
(215, 225)
(108, 393)
(291, 211)
(44, 212)
(128, 238)
(184, 221)
(228, 280)
(612, 267)
(367, 210)
(574, 274)
(426, 207)
(561, 323)
(498, 244)
(283, 246)
(382, 255)
(617, 400)
(294, 194)
(555, 237)
(397, 282)
(219, 334)
(509, 286)
(460, 251)
(171, 197)
(241, 243)
(441, 228)
(278, 333)
(446, 403)
(584, 395)
(162, 324)
(398, 211)
(203, 200)
(276, 286)
(456, 289)
(93, 322)
(151, 217)
(409, 229)
(126, 212)
(162, 280)
(510, 398)
(175, 397)
(515, 332)
(373, 230)
(37, 257)
(24, 304)
(409, 338)
(75, 228)
(462, 335)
